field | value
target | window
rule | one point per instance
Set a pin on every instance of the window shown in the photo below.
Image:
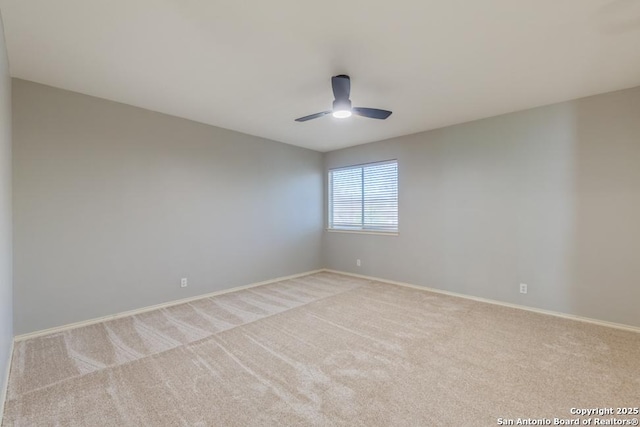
(364, 197)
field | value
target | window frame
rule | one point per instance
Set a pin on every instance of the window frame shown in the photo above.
(362, 230)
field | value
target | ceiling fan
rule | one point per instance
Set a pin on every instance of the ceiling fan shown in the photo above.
(342, 108)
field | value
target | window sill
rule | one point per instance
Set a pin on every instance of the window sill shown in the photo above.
(378, 233)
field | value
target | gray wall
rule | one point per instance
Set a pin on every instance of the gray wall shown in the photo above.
(6, 299)
(114, 204)
(549, 197)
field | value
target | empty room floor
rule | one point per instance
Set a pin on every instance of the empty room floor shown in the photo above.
(323, 349)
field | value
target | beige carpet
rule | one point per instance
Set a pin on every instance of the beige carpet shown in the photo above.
(322, 350)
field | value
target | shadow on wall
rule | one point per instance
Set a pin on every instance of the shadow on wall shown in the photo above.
(605, 255)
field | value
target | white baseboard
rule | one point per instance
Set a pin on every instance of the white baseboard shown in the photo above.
(4, 391)
(75, 325)
(495, 302)
(278, 279)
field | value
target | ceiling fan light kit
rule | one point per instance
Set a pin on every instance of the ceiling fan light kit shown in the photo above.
(342, 108)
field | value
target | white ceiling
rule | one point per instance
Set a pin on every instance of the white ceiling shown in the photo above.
(254, 66)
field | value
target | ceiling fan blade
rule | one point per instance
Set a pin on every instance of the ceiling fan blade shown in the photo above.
(372, 113)
(341, 86)
(312, 116)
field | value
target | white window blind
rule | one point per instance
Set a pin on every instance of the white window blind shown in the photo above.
(364, 197)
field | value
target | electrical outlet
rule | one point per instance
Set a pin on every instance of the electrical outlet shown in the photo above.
(183, 282)
(523, 288)
(358, 262)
